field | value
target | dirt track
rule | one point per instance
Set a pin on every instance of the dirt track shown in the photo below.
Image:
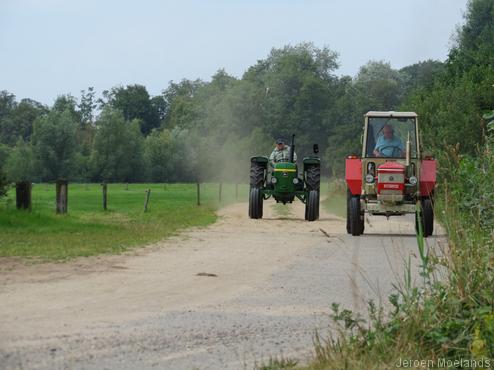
(227, 296)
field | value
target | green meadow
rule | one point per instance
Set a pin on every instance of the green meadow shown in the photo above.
(89, 230)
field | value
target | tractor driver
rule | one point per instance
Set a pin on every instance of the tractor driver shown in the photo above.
(281, 153)
(389, 145)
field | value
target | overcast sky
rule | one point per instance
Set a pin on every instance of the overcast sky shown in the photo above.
(52, 47)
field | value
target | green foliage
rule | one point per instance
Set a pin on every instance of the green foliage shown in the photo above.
(20, 164)
(117, 153)
(135, 103)
(55, 145)
(4, 185)
(87, 106)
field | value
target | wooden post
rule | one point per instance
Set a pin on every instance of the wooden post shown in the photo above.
(198, 193)
(236, 191)
(220, 190)
(146, 200)
(23, 195)
(105, 195)
(62, 196)
(126, 186)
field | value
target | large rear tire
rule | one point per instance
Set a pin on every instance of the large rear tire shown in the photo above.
(356, 217)
(312, 206)
(313, 178)
(255, 203)
(256, 175)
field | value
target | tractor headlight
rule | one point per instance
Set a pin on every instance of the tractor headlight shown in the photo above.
(295, 181)
(369, 178)
(412, 180)
(274, 180)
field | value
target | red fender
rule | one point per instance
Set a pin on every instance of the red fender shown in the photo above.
(353, 175)
(427, 177)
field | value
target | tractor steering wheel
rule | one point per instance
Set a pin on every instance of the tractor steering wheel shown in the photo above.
(394, 147)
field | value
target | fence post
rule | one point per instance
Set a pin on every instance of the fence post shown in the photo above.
(23, 195)
(146, 201)
(198, 193)
(105, 195)
(220, 190)
(62, 196)
(236, 191)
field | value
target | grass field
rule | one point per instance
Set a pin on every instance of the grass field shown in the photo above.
(89, 230)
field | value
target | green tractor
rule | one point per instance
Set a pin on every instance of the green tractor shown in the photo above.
(283, 182)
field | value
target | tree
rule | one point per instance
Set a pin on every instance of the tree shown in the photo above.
(67, 103)
(87, 106)
(19, 122)
(20, 163)
(378, 86)
(55, 144)
(135, 103)
(117, 153)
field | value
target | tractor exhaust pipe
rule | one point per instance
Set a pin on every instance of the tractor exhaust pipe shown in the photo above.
(292, 148)
(407, 152)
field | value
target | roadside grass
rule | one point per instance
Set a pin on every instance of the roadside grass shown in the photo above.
(88, 230)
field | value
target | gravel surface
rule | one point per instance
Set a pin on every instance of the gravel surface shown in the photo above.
(229, 296)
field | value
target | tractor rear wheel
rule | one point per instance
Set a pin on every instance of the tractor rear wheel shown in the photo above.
(256, 175)
(427, 218)
(356, 217)
(313, 177)
(312, 206)
(255, 203)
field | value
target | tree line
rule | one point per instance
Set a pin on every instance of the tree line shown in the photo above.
(207, 130)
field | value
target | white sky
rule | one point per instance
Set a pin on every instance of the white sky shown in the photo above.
(52, 47)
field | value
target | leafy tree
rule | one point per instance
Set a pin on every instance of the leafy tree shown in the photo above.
(117, 153)
(19, 122)
(87, 106)
(55, 145)
(181, 104)
(20, 163)
(7, 103)
(68, 103)
(4, 154)
(378, 86)
(135, 103)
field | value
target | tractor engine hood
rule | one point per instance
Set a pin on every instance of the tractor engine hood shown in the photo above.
(390, 182)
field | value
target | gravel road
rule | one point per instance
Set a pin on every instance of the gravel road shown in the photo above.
(228, 296)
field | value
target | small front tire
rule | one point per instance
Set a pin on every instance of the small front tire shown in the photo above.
(356, 217)
(312, 206)
(255, 203)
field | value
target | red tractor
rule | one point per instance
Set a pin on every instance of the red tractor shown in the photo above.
(392, 178)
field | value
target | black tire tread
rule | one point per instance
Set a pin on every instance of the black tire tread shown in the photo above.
(313, 178)
(256, 175)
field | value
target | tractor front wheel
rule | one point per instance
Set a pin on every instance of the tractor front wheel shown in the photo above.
(427, 218)
(348, 212)
(255, 203)
(356, 217)
(312, 206)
